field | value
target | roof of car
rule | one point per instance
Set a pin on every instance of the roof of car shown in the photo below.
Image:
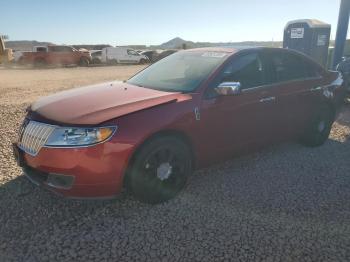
(236, 49)
(213, 49)
(231, 49)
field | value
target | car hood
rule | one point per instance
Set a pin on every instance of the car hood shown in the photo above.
(99, 103)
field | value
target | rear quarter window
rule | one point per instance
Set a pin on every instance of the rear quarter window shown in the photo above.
(288, 67)
(61, 49)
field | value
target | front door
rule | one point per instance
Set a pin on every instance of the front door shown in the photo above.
(236, 123)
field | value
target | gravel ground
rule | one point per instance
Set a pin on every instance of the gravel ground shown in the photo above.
(284, 203)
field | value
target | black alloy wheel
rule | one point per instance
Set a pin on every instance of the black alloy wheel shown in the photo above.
(160, 170)
(319, 128)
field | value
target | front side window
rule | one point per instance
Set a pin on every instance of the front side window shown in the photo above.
(182, 72)
(311, 70)
(132, 52)
(246, 69)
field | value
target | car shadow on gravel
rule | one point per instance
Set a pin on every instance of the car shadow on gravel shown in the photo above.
(279, 175)
(271, 201)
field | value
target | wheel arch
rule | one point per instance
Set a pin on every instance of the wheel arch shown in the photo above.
(84, 59)
(162, 133)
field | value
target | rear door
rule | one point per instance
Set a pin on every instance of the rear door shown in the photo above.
(296, 83)
(62, 55)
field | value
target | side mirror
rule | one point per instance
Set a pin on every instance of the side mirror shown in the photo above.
(229, 88)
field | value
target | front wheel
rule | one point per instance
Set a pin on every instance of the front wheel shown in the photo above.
(143, 61)
(84, 62)
(160, 170)
(320, 126)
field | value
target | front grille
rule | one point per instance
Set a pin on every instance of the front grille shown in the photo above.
(33, 135)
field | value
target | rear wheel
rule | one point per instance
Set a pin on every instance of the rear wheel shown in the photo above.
(319, 128)
(113, 62)
(160, 170)
(96, 60)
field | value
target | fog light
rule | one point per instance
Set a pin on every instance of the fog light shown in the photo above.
(60, 181)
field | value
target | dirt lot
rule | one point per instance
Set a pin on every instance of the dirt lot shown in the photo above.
(284, 203)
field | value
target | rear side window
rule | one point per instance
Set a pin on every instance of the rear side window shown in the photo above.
(289, 67)
(61, 49)
(311, 70)
(246, 69)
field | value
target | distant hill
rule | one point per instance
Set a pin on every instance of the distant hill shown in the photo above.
(178, 43)
(25, 45)
(175, 43)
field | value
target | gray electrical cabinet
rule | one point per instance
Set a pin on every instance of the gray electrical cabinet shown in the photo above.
(308, 36)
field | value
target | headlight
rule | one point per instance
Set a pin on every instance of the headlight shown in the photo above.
(76, 136)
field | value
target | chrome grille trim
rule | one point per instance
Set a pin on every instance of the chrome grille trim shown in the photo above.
(33, 136)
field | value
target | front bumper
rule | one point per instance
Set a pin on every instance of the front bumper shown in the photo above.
(88, 172)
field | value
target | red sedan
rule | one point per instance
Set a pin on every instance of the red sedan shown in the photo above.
(189, 110)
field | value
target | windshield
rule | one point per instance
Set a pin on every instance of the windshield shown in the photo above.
(180, 72)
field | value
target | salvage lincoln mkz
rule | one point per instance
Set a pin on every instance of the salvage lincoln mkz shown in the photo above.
(189, 110)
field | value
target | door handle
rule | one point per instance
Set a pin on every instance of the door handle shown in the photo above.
(313, 89)
(267, 99)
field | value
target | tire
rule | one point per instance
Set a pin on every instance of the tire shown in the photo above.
(159, 170)
(318, 131)
(113, 62)
(143, 61)
(84, 62)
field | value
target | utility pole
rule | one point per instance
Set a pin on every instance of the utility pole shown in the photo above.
(342, 30)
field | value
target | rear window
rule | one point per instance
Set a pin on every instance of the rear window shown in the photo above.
(61, 49)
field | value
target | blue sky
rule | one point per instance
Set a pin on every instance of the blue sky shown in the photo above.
(154, 22)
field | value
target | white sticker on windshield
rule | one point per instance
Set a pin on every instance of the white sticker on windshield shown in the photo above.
(214, 54)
